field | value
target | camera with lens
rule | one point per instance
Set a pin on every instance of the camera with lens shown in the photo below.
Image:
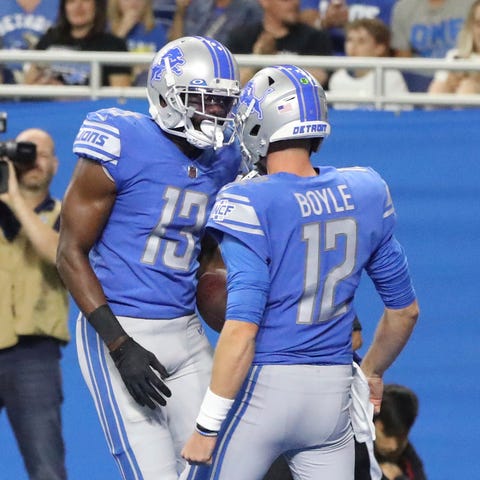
(22, 154)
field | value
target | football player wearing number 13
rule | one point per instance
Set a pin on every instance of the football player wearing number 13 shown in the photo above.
(295, 243)
(131, 229)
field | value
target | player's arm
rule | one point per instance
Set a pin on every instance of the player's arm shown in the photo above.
(392, 334)
(388, 269)
(86, 207)
(247, 294)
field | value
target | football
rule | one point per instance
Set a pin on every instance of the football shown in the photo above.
(212, 298)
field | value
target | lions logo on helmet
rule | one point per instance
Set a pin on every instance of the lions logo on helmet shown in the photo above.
(174, 75)
(280, 103)
(175, 60)
(253, 103)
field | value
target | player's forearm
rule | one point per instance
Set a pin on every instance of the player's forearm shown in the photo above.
(79, 278)
(392, 334)
(233, 358)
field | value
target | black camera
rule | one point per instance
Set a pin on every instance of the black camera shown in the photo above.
(22, 154)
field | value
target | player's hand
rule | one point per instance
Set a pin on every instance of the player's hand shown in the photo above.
(199, 449)
(136, 366)
(376, 392)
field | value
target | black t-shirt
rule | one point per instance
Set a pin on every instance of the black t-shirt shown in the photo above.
(301, 39)
(79, 73)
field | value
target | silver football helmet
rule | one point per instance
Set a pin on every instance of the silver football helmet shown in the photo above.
(280, 103)
(184, 77)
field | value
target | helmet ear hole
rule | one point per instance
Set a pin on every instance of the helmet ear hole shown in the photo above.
(254, 130)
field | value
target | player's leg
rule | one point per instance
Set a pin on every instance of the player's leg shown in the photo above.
(188, 382)
(324, 426)
(285, 408)
(137, 437)
(254, 430)
(333, 461)
(33, 405)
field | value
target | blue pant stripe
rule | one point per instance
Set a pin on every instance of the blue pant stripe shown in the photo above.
(110, 417)
(234, 417)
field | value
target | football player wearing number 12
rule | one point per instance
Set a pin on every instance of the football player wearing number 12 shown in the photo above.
(295, 243)
(132, 221)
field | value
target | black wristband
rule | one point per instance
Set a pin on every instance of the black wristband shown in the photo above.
(103, 320)
(205, 431)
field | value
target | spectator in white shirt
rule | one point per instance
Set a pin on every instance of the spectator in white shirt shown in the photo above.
(366, 37)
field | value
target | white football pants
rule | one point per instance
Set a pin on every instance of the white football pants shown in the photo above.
(146, 443)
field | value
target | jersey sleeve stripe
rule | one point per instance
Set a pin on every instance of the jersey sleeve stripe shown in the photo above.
(102, 127)
(241, 228)
(88, 151)
(233, 196)
(389, 212)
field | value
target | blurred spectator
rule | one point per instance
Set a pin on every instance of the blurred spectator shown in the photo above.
(333, 16)
(81, 25)
(468, 48)
(213, 18)
(426, 28)
(22, 23)
(396, 455)
(133, 20)
(366, 37)
(164, 10)
(33, 310)
(280, 32)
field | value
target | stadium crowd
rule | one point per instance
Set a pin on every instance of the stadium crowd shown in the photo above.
(370, 28)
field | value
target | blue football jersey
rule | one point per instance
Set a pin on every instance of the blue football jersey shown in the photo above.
(316, 235)
(146, 257)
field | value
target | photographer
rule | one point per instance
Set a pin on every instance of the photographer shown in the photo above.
(33, 310)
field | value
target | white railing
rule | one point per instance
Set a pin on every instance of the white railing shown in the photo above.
(96, 59)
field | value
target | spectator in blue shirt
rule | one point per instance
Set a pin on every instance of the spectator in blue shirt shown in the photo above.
(22, 23)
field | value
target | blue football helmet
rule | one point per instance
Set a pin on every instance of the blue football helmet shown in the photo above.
(183, 76)
(280, 103)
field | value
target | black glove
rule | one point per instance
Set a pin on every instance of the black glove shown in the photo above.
(136, 365)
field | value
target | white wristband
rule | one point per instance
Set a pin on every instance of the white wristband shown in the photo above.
(213, 411)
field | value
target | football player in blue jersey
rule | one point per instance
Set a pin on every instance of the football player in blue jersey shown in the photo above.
(295, 243)
(131, 229)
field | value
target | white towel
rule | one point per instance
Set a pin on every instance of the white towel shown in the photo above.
(361, 409)
(361, 413)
